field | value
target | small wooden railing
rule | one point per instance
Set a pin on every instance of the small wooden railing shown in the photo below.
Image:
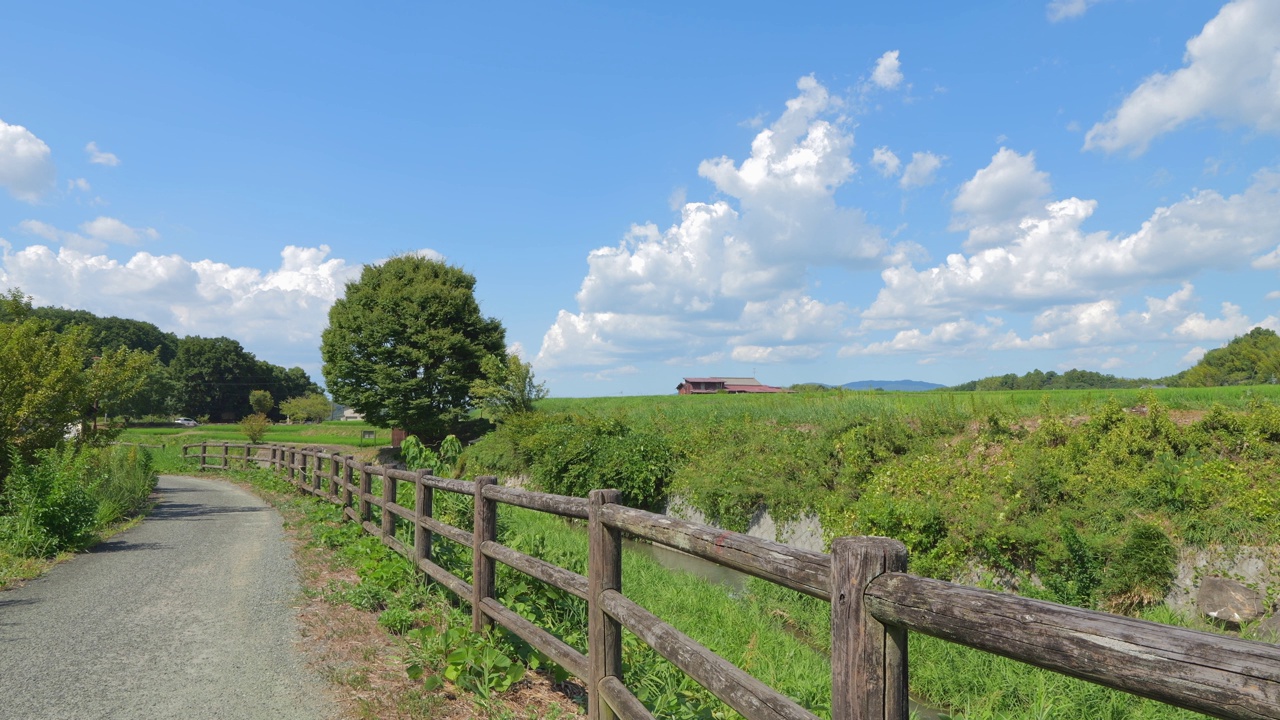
(874, 603)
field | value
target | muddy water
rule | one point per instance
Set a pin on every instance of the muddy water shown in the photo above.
(736, 582)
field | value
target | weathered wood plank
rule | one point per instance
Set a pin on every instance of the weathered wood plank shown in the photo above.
(553, 575)
(555, 504)
(485, 529)
(625, 705)
(457, 585)
(604, 573)
(422, 501)
(458, 535)
(366, 490)
(1213, 674)
(402, 512)
(348, 480)
(402, 475)
(388, 499)
(395, 544)
(553, 647)
(750, 697)
(868, 659)
(802, 570)
(461, 487)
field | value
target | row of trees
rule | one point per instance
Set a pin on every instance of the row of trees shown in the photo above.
(194, 376)
(1250, 359)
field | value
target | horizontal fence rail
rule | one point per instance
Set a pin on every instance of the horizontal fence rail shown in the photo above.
(874, 602)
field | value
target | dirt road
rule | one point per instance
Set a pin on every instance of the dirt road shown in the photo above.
(189, 615)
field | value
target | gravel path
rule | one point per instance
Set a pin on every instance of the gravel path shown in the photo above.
(188, 615)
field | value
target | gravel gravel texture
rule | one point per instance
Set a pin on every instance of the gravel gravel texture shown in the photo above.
(188, 615)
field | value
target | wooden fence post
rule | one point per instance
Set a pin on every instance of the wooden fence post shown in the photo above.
(604, 634)
(388, 497)
(485, 529)
(868, 659)
(423, 495)
(225, 460)
(348, 476)
(318, 473)
(366, 488)
(334, 476)
(293, 470)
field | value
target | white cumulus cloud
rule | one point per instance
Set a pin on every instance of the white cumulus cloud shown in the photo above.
(952, 337)
(1231, 73)
(26, 164)
(732, 272)
(94, 235)
(98, 157)
(279, 313)
(1059, 10)
(992, 205)
(883, 160)
(1054, 260)
(888, 71)
(921, 171)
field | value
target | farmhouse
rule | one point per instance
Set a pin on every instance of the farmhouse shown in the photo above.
(731, 385)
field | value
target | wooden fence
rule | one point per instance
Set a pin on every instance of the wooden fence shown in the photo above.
(874, 603)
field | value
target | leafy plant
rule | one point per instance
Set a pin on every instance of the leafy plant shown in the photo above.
(261, 401)
(473, 661)
(255, 427)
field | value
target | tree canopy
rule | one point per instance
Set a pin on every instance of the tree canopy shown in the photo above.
(312, 407)
(507, 387)
(1251, 359)
(51, 381)
(405, 344)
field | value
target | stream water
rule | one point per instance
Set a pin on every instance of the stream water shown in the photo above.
(737, 583)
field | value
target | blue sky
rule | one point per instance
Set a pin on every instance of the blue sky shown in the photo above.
(827, 193)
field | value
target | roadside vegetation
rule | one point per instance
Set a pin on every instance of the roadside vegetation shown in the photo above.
(61, 488)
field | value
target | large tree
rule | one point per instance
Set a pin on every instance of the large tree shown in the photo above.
(214, 377)
(405, 344)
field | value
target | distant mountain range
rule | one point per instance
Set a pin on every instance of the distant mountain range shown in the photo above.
(891, 385)
(887, 385)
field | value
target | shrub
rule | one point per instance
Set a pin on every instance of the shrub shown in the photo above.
(47, 507)
(1142, 570)
(571, 454)
(122, 480)
(255, 427)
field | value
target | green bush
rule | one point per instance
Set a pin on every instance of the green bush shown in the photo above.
(571, 454)
(63, 498)
(121, 480)
(47, 507)
(1141, 572)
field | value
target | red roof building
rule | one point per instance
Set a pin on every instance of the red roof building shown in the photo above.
(733, 386)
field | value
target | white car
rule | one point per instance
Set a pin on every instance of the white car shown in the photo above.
(186, 422)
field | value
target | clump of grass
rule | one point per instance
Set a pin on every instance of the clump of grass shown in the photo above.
(65, 497)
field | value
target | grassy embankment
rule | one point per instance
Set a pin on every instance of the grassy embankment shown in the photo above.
(1080, 497)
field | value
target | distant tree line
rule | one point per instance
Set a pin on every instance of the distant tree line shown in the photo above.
(1051, 380)
(195, 376)
(1250, 359)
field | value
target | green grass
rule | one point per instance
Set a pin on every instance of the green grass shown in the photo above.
(335, 433)
(832, 406)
